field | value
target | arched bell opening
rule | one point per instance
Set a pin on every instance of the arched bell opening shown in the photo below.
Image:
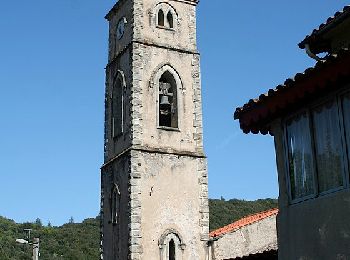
(168, 114)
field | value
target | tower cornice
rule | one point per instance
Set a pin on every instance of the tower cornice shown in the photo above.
(154, 150)
(121, 2)
(115, 8)
(187, 51)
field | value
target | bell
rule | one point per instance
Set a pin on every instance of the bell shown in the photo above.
(164, 100)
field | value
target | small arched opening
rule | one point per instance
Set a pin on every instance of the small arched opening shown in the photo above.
(172, 253)
(171, 245)
(170, 20)
(160, 18)
(117, 108)
(114, 204)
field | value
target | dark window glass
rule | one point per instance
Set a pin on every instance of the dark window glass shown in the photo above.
(301, 166)
(328, 146)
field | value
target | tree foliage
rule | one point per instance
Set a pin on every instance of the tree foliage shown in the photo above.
(80, 241)
(69, 241)
(224, 212)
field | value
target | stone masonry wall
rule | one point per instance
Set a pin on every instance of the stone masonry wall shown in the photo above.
(254, 238)
(163, 173)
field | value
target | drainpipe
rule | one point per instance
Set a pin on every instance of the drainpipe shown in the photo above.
(311, 54)
(210, 248)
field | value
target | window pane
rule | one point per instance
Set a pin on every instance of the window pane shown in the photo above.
(346, 113)
(301, 167)
(328, 146)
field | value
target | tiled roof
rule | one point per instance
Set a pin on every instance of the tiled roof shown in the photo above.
(329, 23)
(257, 113)
(243, 222)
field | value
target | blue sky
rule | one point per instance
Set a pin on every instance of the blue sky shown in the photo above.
(52, 60)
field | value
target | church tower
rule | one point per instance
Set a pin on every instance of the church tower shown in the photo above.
(154, 195)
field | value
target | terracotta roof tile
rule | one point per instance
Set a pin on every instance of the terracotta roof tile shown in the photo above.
(243, 222)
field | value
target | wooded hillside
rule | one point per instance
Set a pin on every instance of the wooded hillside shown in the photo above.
(80, 241)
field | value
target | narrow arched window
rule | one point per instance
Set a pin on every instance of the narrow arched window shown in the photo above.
(114, 203)
(171, 246)
(172, 250)
(170, 20)
(117, 108)
(160, 17)
(168, 101)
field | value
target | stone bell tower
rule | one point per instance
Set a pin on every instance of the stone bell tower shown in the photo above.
(154, 196)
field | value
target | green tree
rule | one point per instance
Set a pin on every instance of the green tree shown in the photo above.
(82, 240)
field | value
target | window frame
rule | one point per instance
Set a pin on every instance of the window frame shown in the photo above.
(286, 156)
(346, 143)
(166, 8)
(337, 98)
(323, 101)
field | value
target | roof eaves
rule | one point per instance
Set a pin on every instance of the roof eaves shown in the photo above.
(330, 23)
(248, 220)
(257, 103)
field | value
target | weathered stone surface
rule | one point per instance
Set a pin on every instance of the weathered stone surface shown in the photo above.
(251, 239)
(161, 173)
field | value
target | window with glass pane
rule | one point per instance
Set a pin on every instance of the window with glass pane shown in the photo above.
(328, 146)
(301, 166)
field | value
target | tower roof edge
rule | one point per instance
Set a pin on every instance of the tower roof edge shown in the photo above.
(114, 9)
(120, 2)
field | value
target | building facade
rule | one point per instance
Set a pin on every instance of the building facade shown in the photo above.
(252, 237)
(154, 196)
(309, 117)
